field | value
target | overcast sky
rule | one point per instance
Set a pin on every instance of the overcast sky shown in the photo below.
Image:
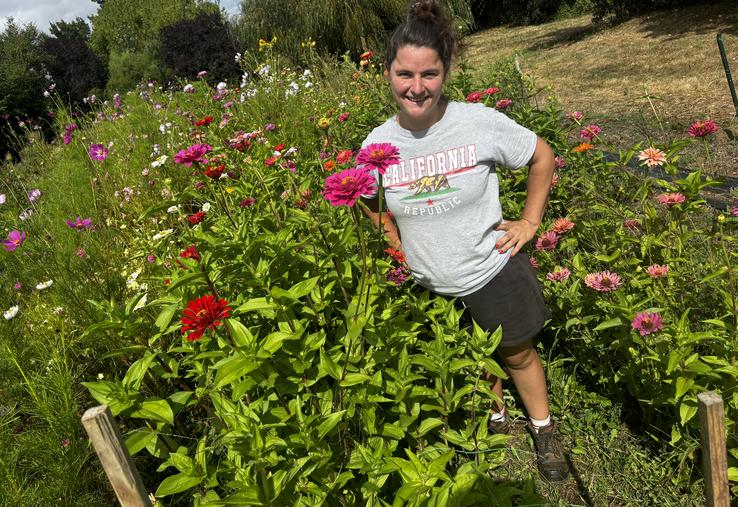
(42, 12)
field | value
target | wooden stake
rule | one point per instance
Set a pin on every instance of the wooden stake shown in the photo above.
(111, 449)
(714, 453)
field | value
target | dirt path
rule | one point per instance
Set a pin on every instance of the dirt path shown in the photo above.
(605, 72)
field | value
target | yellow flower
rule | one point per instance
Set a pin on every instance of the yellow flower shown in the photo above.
(324, 123)
(721, 219)
(230, 189)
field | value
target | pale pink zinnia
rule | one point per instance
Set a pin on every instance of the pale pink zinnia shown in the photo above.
(378, 156)
(657, 270)
(559, 162)
(647, 322)
(589, 132)
(558, 275)
(670, 199)
(702, 128)
(562, 225)
(574, 116)
(547, 241)
(346, 187)
(603, 281)
(652, 157)
(503, 103)
(534, 262)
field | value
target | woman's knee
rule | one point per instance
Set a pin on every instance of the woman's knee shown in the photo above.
(518, 357)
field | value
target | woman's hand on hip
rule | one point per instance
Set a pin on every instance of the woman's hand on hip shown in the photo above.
(518, 233)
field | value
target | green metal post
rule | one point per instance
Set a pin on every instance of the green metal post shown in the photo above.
(728, 76)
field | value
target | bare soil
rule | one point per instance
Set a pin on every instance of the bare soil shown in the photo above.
(611, 72)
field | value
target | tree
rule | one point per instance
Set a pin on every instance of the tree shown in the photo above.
(77, 29)
(200, 43)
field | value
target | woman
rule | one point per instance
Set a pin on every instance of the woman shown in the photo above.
(444, 198)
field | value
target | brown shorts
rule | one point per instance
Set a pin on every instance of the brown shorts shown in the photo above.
(513, 300)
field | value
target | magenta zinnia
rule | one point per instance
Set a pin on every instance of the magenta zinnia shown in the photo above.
(589, 132)
(14, 240)
(670, 199)
(603, 281)
(702, 128)
(202, 314)
(652, 157)
(378, 156)
(547, 241)
(346, 187)
(647, 322)
(195, 153)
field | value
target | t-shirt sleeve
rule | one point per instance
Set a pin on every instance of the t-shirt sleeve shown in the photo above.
(511, 144)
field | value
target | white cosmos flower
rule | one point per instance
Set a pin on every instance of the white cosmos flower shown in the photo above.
(45, 285)
(173, 209)
(160, 161)
(12, 312)
(206, 207)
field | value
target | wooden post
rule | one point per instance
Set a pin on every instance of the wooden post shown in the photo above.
(714, 453)
(111, 449)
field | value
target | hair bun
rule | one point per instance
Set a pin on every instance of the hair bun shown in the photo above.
(426, 11)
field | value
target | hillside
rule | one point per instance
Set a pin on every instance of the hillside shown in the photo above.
(607, 71)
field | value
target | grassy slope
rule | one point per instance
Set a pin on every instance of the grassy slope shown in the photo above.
(605, 71)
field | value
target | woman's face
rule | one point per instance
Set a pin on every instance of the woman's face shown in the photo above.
(416, 77)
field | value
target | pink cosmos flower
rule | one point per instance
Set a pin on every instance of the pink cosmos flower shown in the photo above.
(14, 240)
(34, 195)
(195, 153)
(559, 162)
(98, 152)
(378, 156)
(562, 225)
(671, 199)
(647, 322)
(657, 270)
(80, 224)
(558, 275)
(589, 132)
(547, 241)
(503, 103)
(574, 116)
(702, 128)
(602, 281)
(652, 157)
(346, 187)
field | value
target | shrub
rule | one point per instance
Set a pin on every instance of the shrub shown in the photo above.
(493, 13)
(197, 44)
(128, 68)
(73, 67)
(619, 10)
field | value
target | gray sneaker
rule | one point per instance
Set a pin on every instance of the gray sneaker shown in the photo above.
(500, 427)
(551, 459)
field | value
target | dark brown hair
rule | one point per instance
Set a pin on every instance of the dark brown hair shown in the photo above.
(427, 26)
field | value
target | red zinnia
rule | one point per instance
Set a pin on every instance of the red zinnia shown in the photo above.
(205, 121)
(344, 156)
(474, 97)
(279, 147)
(190, 253)
(214, 171)
(202, 314)
(196, 218)
(397, 255)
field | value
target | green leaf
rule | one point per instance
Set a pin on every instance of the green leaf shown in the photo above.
(139, 439)
(157, 410)
(351, 379)
(165, 316)
(274, 341)
(393, 431)
(176, 484)
(608, 324)
(233, 368)
(683, 385)
(686, 412)
(721, 271)
(328, 366)
(329, 423)
(304, 288)
(195, 279)
(240, 334)
(733, 474)
(136, 372)
(428, 424)
(256, 304)
(124, 351)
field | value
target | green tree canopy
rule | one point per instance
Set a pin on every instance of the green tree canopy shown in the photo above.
(77, 29)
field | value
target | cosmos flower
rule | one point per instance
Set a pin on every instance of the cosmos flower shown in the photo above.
(192, 154)
(14, 240)
(80, 223)
(98, 152)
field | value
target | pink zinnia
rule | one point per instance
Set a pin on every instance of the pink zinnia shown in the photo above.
(734, 209)
(344, 156)
(343, 117)
(631, 224)
(346, 187)
(647, 322)
(562, 225)
(503, 103)
(702, 128)
(589, 132)
(534, 262)
(195, 153)
(547, 241)
(652, 157)
(657, 270)
(98, 152)
(474, 97)
(554, 179)
(603, 281)
(378, 156)
(247, 202)
(671, 199)
(574, 116)
(559, 162)
(558, 275)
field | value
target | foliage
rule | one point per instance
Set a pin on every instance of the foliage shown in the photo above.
(128, 68)
(193, 45)
(494, 13)
(73, 67)
(77, 29)
(619, 10)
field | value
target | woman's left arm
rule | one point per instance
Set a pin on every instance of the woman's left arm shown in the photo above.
(519, 232)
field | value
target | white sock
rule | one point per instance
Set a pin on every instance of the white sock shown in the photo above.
(540, 423)
(498, 416)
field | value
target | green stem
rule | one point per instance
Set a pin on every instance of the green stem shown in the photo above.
(359, 233)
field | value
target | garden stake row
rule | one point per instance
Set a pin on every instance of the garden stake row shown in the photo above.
(111, 449)
(714, 454)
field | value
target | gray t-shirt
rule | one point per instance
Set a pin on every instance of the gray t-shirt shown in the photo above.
(444, 193)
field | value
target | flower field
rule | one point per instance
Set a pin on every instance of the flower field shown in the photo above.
(196, 258)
